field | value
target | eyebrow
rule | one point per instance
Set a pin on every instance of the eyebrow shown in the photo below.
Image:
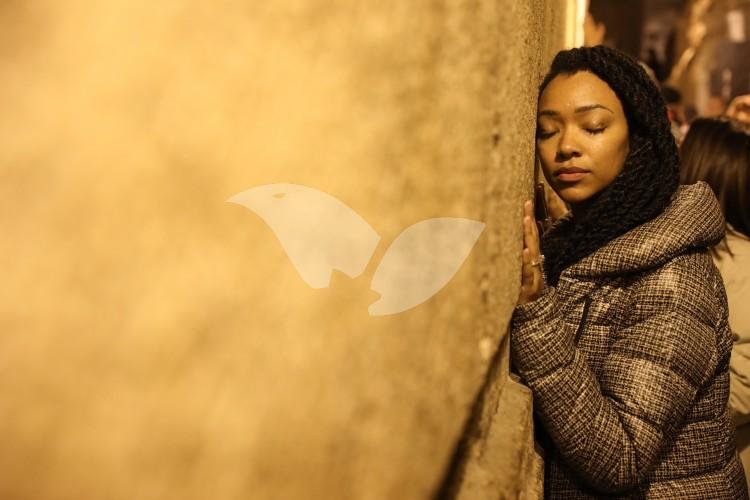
(581, 109)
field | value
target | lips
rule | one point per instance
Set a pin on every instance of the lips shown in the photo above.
(570, 174)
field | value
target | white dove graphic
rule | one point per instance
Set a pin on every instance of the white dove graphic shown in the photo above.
(320, 233)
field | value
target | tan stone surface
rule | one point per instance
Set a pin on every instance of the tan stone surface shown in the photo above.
(156, 342)
(497, 458)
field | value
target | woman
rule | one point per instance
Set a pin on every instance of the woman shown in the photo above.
(717, 151)
(626, 345)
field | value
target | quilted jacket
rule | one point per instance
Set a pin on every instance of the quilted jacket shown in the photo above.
(627, 358)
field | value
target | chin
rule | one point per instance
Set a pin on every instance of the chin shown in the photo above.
(574, 194)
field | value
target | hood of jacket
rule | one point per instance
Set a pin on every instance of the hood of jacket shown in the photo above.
(693, 220)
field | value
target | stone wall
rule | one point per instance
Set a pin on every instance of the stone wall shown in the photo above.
(157, 342)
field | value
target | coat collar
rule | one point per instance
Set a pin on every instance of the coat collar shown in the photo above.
(692, 220)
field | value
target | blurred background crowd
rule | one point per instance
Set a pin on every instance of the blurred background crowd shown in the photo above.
(697, 50)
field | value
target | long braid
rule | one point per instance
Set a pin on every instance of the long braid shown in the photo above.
(649, 177)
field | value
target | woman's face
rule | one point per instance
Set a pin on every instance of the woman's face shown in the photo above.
(582, 135)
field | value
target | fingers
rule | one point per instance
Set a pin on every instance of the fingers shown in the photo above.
(527, 269)
(530, 231)
(531, 279)
(527, 272)
(531, 275)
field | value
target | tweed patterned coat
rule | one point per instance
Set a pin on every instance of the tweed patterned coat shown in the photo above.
(628, 357)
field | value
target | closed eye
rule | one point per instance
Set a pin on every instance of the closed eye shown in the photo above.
(544, 134)
(594, 131)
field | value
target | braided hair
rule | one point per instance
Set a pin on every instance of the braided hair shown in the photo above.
(650, 174)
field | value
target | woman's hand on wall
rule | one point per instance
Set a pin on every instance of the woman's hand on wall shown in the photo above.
(531, 271)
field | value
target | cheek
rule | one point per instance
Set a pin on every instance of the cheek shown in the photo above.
(620, 152)
(625, 147)
(546, 161)
(546, 155)
(611, 154)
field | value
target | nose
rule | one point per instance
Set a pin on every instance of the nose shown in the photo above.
(567, 147)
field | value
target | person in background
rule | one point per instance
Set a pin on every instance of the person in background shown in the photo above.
(739, 109)
(717, 151)
(673, 98)
(593, 31)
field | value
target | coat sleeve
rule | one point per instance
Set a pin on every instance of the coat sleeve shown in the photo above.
(739, 384)
(738, 290)
(612, 428)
